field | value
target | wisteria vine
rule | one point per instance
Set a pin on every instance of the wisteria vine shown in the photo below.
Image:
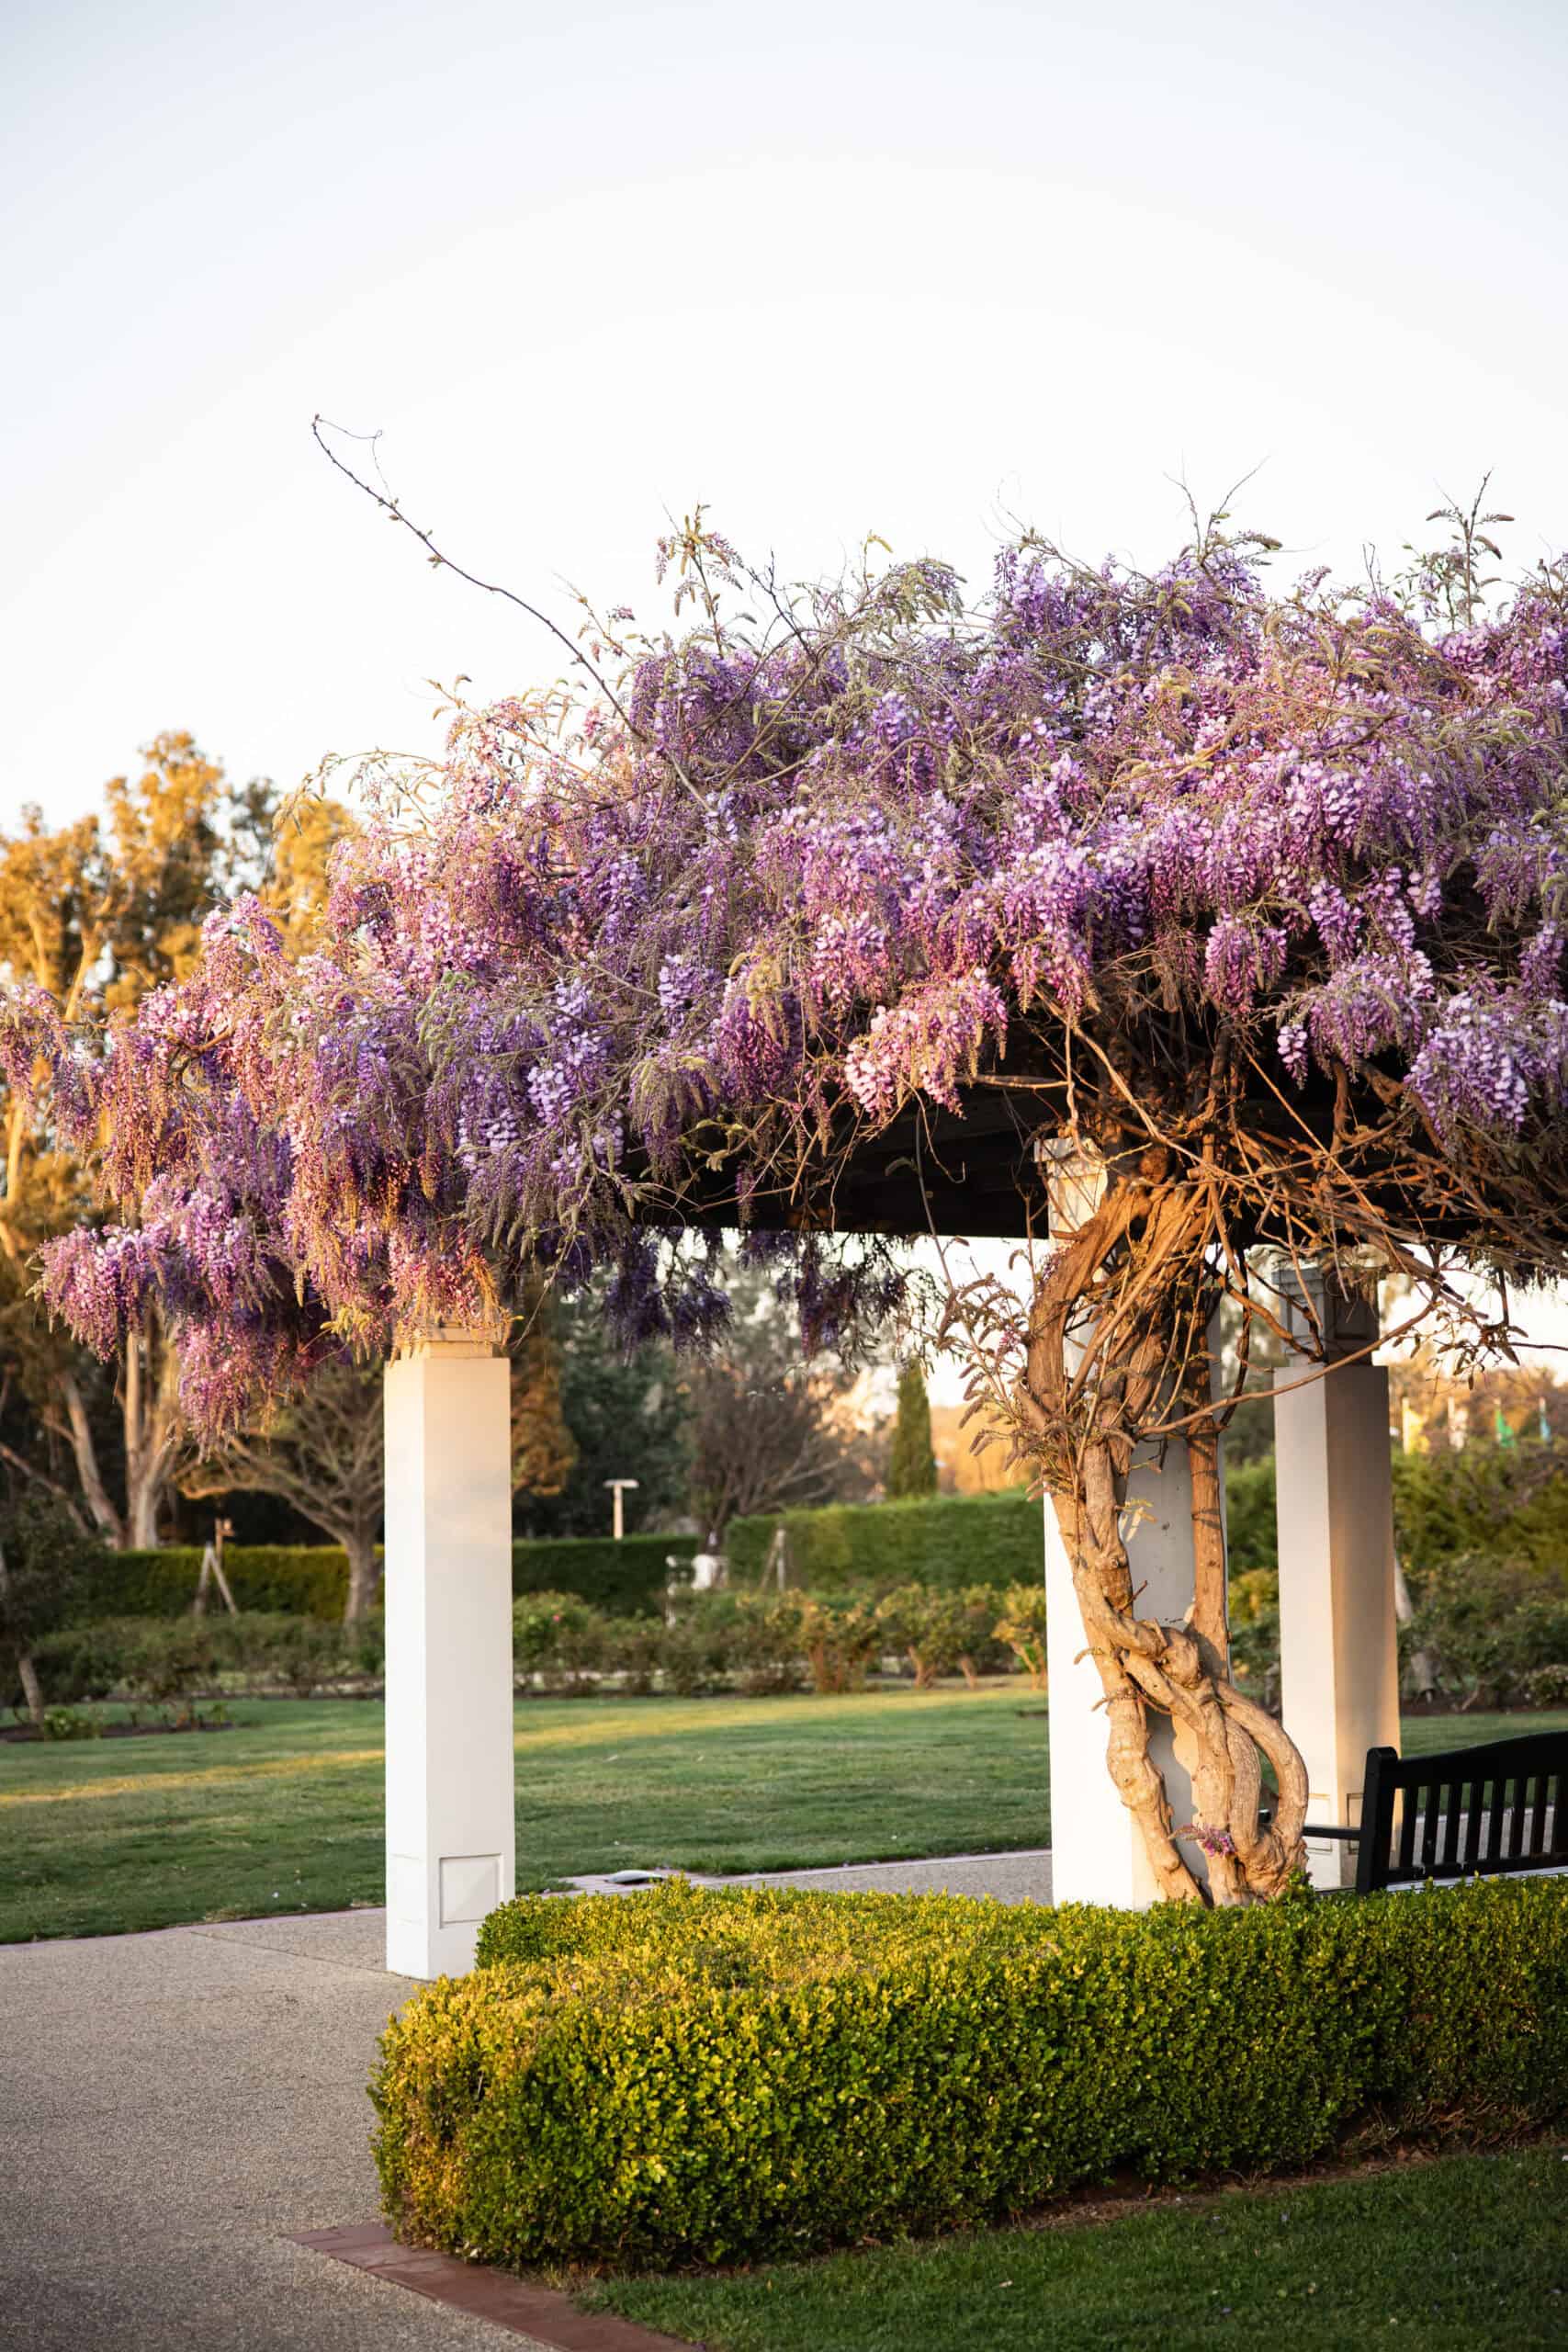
(1258, 895)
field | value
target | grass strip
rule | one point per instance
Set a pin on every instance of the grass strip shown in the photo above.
(284, 1811)
(1447, 2255)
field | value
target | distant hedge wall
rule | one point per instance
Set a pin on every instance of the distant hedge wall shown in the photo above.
(296, 1579)
(1495, 1503)
(941, 1540)
(625, 1580)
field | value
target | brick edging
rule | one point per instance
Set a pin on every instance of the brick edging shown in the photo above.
(549, 2317)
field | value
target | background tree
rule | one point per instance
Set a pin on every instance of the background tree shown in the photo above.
(45, 1561)
(912, 1466)
(323, 1453)
(93, 916)
(544, 1451)
(764, 1430)
(620, 1415)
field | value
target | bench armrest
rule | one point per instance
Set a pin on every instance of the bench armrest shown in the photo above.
(1317, 1828)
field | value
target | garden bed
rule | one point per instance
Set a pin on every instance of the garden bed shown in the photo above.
(30, 1735)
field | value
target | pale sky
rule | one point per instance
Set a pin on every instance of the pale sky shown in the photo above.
(832, 268)
(873, 265)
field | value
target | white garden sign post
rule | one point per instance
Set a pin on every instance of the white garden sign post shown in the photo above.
(1339, 1644)
(451, 1843)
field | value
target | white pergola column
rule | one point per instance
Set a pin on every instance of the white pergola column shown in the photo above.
(1096, 1849)
(451, 1842)
(1338, 1648)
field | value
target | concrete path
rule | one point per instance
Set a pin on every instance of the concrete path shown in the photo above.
(171, 2106)
(1011, 1878)
(174, 2106)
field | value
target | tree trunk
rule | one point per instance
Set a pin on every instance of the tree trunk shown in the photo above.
(1423, 1673)
(1085, 1421)
(104, 1516)
(153, 1425)
(363, 1578)
(143, 1526)
(27, 1672)
(32, 1690)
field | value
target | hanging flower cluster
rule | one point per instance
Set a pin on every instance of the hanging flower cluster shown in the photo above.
(791, 873)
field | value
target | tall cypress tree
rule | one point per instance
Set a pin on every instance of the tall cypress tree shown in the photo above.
(911, 1469)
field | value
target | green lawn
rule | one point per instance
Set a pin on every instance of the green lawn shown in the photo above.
(1468, 2251)
(283, 1812)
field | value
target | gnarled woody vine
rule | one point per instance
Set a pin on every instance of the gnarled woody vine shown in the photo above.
(826, 912)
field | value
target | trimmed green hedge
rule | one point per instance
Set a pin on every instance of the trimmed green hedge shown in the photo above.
(312, 1579)
(950, 1541)
(295, 1579)
(710, 2076)
(625, 1580)
(1446, 1507)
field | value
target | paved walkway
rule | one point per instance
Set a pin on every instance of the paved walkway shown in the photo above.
(1011, 1878)
(172, 2106)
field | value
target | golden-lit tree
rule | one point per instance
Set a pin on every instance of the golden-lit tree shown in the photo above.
(94, 914)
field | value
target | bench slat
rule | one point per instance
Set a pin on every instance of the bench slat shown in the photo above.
(1456, 1816)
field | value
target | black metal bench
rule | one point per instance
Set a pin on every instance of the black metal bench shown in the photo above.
(1462, 1812)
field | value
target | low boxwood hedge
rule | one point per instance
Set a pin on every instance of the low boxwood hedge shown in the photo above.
(686, 2075)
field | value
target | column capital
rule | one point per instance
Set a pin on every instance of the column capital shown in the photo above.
(450, 1340)
(1333, 1308)
(1074, 1171)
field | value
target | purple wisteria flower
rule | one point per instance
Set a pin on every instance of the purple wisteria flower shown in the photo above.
(801, 876)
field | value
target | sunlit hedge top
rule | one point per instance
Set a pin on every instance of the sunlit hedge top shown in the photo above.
(829, 851)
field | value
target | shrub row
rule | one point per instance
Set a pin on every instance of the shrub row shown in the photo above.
(944, 1540)
(312, 1579)
(153, 1658)
(1489, 1633)
(1486, 1633)
(756, 1644)
(1446, 1506)
(713, 1641)
(686, 2075)
(759, 1642)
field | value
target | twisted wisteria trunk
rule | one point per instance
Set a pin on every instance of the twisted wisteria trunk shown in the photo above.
(1087, 1430)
